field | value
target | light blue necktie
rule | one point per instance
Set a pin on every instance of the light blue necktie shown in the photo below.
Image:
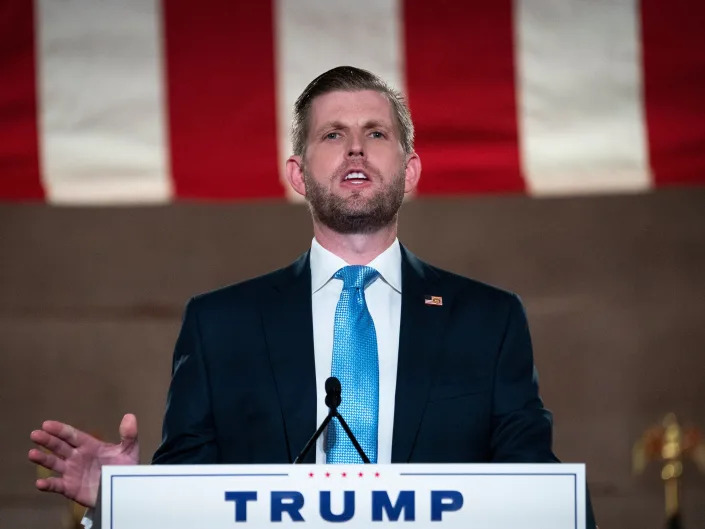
(355, 365)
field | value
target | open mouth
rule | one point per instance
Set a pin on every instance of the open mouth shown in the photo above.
(355, 177)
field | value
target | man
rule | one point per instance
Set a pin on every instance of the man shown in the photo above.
(453, 378)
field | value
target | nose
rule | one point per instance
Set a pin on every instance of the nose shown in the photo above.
(355, 146)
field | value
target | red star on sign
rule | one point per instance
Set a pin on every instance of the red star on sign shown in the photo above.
(345, 474)
(310, 474)
(360, 474)
(376, 474)
(327, 474)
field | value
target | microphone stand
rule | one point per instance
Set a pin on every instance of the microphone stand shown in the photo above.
(332, 400)
(357, 446)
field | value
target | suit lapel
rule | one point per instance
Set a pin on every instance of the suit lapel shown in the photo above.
(288, 327)
(420, 338)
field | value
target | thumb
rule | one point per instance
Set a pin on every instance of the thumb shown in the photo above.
(128, 429)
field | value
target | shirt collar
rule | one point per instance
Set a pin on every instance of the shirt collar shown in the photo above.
(325, 263)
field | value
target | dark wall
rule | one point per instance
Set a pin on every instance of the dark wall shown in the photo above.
(91, 298)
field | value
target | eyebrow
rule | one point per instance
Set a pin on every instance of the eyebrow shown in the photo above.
(370, 124)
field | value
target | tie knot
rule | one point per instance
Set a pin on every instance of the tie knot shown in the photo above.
(356, 276)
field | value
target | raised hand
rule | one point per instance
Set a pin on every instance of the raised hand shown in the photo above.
(77, 457)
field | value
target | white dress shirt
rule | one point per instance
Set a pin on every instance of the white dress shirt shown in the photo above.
(383, 298)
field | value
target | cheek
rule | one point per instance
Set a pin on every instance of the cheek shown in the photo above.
(323, 161)
(388, 160)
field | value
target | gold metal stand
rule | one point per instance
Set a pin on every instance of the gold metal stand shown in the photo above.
(671, 444)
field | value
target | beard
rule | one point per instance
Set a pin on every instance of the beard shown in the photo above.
(355, 214)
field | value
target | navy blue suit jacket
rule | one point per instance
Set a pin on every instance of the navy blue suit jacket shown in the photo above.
(243, 386)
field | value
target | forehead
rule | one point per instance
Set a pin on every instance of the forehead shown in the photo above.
(350, 108)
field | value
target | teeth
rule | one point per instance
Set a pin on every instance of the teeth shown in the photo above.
(355, 176)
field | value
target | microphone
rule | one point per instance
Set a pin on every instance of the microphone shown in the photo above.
(333, 399)
(333, 392)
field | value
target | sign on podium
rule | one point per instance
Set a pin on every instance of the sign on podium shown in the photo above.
(487, 496)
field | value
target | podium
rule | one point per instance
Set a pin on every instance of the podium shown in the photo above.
(462, 496)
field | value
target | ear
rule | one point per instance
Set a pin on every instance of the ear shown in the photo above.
(413, 172)
(295, 174)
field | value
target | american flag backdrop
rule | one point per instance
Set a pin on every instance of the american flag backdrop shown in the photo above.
(154, 101)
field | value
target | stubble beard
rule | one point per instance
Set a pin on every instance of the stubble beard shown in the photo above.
(355, 214)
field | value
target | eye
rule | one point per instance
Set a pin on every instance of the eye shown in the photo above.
(332, 135)
(377, 134)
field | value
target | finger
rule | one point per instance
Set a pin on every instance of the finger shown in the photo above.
(48, 461)
(50, 485)
(66, 432)
(128, 429)
(51, 443)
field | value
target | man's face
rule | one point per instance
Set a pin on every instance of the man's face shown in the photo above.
(354, 167)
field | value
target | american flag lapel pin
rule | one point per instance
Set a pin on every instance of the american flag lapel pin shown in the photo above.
(433, 300)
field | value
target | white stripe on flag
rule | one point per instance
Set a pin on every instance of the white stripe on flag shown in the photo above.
(314, 36)
(101, 101)
(580, 106)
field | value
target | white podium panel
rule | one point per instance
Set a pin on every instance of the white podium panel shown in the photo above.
(462, 496)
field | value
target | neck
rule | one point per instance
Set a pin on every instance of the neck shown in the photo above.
(355, 248)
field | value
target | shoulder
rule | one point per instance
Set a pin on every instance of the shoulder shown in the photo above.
(251, 292)
(461, 288)
(459, 284)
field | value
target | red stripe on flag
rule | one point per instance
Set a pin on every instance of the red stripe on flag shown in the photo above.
(460, 82)
(220, 83)
(19, 146)
(674, 89)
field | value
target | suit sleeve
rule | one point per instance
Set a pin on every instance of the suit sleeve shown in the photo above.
(522, 429)
(188, 433)
(521, 426)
